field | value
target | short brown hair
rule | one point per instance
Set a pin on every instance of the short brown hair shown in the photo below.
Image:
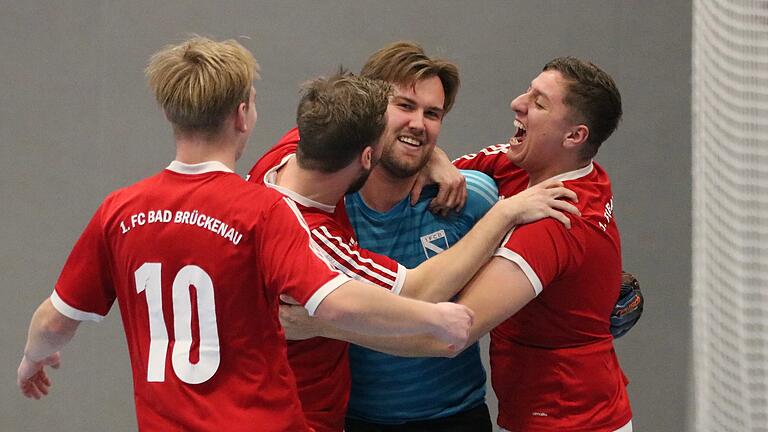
(200, 81)
(338, 117)
(593, 96)
(405, 62)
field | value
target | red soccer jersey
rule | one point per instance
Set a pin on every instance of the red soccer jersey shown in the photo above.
(553, 364)
(321, 365)
(197, 258)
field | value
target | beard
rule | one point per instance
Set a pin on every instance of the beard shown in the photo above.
(358, 183)
(400, 168)
(360, 180)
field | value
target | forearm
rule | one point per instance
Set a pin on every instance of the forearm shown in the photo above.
(421, 345)
(440, 278)
(49, 331)
(367, 309)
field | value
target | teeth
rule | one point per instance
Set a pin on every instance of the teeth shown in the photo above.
(409, 140)
(519, 125)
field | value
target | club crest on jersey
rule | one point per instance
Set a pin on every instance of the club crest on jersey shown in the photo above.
(434, 243)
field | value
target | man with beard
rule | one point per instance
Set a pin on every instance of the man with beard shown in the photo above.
(331, 160)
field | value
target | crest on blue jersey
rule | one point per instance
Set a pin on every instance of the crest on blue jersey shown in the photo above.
(434, 243)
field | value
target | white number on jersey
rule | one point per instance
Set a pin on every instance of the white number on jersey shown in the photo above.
(148, 279)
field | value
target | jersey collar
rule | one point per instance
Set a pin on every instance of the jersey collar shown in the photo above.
(269, 181)
(575, 174)
(198, 168)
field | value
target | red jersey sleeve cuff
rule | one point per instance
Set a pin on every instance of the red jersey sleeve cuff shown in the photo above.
(400, 281)
(73, 313)
(322, 292)
(524, 266)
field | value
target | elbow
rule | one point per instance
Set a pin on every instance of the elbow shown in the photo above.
(442, 349)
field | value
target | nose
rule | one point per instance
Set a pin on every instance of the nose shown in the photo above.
(416, 121)
(518, 104)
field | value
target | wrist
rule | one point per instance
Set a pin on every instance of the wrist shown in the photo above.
(507, 213)
(26, 358)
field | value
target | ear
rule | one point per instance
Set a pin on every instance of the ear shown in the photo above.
(576, 136)
(366, 157)
(241, 117)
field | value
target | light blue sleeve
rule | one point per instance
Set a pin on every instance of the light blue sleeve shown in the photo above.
(482, 194)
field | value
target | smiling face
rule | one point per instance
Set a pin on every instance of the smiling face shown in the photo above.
(414, 117)
(544, 123)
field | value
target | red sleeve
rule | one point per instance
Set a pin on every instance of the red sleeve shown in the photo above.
(356, 262)
(85, 289)
(491, 161)
(285, 146)
(293, 265)
(544, 250)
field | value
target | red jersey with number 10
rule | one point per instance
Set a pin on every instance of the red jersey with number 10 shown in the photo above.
(197, 258)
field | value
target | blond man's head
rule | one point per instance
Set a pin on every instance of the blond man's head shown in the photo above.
(199, 82)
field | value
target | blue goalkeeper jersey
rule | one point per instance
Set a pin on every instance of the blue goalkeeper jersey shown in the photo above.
(389, 389)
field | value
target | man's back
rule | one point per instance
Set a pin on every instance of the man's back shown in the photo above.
(192, 261)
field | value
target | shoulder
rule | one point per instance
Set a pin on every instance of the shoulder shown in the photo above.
(275, 156)
(481, 187)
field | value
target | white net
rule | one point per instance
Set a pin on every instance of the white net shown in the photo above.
(730, 215)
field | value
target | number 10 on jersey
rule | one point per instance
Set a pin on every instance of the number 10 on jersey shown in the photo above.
(148, 280)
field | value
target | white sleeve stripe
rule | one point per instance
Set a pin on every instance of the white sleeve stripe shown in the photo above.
(312, 304)
(351, 255)
(483, 193)
(480, 183)
(312, 245)
(400, 282)
(387, 279)
(488, 151)
(74, 313)
(524, 266)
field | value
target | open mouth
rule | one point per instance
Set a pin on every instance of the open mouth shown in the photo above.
(410, 141)
(519, 135)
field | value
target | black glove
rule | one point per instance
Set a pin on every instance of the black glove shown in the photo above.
(628, 307)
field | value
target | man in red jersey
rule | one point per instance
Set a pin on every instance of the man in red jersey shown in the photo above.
(337, 150)
(192, 258)
(548, 292)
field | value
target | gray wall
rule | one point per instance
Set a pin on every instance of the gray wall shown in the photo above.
(78, 121)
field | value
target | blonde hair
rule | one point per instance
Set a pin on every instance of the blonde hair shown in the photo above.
(200, 81)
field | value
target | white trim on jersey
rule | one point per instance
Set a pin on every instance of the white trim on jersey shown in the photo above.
(269, 181)
(488, 151)
(575, 174)
(198, 168)
(314, 302)
(480, 187)
(332, 246)
(316, 298)
(74, 313)
(520, 261)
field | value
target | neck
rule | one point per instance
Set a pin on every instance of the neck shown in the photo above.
(325, 188)
(193, 149)
(383, 191)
